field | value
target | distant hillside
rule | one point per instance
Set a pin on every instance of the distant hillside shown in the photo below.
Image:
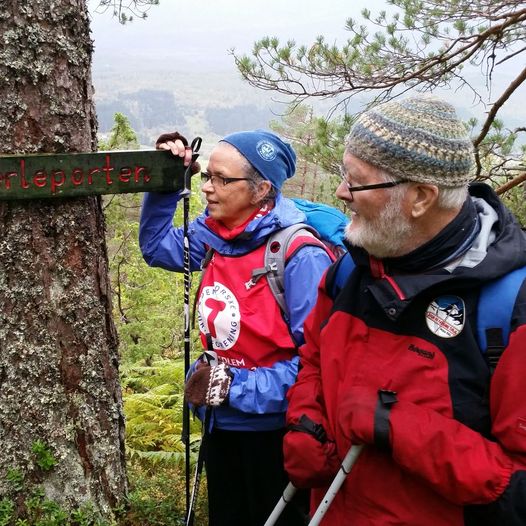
(145, 108)
(157, 97)
(210, 105)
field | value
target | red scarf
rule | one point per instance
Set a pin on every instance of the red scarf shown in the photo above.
(228, 234)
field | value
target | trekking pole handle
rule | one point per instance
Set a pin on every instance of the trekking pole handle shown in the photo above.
(209, 355)
(195, 146)
(345, 469)
(285, 498)
(210, 358)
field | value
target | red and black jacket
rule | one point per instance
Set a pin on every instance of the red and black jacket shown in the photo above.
(457, 444)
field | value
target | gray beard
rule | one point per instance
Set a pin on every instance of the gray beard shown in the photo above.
(386, 236)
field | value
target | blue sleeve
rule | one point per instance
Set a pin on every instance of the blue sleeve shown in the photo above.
(161, 243)
(303, 273)
(263, 390)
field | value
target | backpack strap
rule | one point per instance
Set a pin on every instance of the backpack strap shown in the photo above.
(339, 274)
(494, 313)
(280, 246)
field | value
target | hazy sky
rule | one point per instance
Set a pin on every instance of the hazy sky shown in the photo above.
(197, 35)
(201, 32)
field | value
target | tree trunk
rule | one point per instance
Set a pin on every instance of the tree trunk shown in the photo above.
(61, 419)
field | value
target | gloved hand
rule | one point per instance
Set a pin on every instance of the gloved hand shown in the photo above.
(208, 385)
(178, 145)
(310, 458)
(363, 415)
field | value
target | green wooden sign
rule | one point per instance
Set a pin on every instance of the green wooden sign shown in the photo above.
(81, 174)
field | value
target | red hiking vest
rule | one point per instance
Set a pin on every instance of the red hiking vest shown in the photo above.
(243, 317)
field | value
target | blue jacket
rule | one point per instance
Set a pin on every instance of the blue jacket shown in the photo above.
(257, 397)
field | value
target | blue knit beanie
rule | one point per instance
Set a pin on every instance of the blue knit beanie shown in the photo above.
(274, 159)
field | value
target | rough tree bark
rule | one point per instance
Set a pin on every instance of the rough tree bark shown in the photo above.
(59, 379)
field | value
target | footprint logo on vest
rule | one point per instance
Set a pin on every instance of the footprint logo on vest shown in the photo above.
(218, 315)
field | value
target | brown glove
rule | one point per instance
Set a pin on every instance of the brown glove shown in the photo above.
(174, 136)
(209, 385)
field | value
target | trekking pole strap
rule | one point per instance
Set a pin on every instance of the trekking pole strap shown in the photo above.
(306, 425)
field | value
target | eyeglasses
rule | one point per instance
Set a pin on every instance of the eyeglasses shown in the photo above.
(351, 189)
(214, 179)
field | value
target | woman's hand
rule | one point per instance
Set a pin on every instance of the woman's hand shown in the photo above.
(178, 145)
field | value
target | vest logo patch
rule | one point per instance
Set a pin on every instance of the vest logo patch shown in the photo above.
(218, 315)
(266, 150)
(445, 316)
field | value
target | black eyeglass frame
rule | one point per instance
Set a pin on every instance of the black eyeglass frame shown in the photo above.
(205, 177)
(351, 189)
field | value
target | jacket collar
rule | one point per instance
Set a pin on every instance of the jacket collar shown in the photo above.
(501, 246)
(256, 231)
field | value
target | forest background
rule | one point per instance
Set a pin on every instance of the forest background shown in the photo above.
(174, 71)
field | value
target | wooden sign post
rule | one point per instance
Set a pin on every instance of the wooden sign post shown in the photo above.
(82, 174)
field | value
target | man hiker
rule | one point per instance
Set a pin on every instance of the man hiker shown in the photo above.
(393, 359)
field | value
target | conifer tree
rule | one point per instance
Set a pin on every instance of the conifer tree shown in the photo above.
(416, 44)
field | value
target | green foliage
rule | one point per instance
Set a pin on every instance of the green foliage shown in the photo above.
(43, 456)
(16, 479)
(153, 401)
(7, 508)
(423, 44)
(319, 144)
(148, 312)
(157, 496)
(515, 200)
(44, 512)
(31, 507)
(122, 136)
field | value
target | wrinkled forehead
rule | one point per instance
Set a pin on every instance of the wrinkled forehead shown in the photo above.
(355, 167)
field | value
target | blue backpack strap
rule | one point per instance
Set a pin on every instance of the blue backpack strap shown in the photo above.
(494, 312)
(340, 273)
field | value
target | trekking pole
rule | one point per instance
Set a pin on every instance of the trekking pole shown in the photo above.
(185, 435)
(290, 490)
(336, 484)
(211, 357)
(285, 498)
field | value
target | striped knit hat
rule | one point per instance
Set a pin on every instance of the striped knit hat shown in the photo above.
(418, 139)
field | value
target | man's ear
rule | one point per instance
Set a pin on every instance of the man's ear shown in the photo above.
(263, 189)
(423, 197)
